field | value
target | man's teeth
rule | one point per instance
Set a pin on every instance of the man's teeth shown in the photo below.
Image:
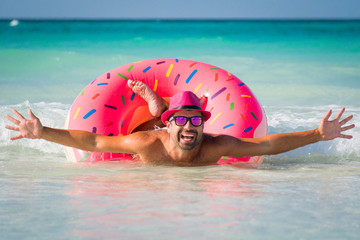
(187, 136)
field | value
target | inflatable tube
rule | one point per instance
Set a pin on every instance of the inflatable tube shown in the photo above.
(108, 106)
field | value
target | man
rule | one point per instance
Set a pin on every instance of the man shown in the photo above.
(183, 142)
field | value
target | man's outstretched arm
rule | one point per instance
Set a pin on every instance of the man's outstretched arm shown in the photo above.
(33, 129)
(283, 142)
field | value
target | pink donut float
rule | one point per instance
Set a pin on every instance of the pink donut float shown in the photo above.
(108, 106)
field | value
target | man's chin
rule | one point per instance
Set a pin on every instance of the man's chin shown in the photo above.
(187, 145)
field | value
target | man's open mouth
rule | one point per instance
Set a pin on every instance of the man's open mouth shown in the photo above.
(188, 136)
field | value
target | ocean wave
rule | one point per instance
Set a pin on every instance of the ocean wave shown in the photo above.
(280, 120)
(301, 118)
(51, 114)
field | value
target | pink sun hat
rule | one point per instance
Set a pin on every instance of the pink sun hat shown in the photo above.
(183, 101)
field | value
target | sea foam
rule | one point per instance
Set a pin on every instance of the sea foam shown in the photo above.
(280, 120)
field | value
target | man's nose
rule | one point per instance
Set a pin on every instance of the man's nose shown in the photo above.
(188, 125)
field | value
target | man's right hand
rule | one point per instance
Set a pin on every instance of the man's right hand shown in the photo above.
(28, 128)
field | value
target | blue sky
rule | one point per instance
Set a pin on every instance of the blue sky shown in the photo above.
(180, 9)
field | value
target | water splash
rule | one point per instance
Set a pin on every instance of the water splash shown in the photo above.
(280, 119)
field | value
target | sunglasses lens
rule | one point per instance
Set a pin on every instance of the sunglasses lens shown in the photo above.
(196, 121)
(180, 121)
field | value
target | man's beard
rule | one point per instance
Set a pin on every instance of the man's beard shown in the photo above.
(188, 139)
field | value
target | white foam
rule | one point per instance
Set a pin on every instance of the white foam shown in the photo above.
(50, 114)
(280, 119)
(14, 23)
(289, 119)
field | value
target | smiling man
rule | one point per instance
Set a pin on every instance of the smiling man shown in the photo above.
(183, 141)
(188, 118)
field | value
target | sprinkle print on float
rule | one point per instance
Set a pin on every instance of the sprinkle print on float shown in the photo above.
(109, 107)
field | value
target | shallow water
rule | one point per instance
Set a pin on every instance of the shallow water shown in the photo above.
(309, 193)
(50, 199)
(298, 70)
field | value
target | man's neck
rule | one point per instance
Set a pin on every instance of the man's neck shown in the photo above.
(178, 155)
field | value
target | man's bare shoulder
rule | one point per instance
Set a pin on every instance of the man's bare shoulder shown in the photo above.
(148, 139)
(150, 145)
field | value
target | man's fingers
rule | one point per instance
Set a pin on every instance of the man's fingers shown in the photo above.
(16, 137)
(327, 116)
(15, 121)
(348, 127)
(32, 116)
(345, 136)
(340, 114)
(21, 117)
(345, 120)
(12, 128)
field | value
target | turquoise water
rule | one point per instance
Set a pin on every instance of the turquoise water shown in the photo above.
(301, 62)
(297, 69)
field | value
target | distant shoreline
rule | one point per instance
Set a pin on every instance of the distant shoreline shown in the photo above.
(183, 20)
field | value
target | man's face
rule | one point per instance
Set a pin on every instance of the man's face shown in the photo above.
(188, 136)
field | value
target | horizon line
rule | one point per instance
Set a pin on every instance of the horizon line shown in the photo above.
(179, 19)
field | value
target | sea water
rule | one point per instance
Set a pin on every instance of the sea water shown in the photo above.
(297, 69)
